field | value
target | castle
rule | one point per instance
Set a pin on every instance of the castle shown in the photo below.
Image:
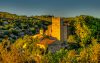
(57, 32)
(57, 29)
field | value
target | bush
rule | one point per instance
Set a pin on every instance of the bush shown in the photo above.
(71, 39)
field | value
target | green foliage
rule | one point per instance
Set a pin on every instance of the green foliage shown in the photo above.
(71, 39)
(54, 58)
(22, 24)
(82, 30)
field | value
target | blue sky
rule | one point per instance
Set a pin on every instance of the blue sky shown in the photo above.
(63, 8)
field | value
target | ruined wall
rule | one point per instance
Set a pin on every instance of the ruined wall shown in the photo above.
(65, 33)
(49, 30)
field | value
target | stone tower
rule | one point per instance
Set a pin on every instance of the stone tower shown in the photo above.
(57, 28)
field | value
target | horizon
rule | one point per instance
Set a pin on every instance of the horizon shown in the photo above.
(65, 8)
(52, 15)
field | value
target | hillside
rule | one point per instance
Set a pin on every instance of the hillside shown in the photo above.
(14, 26)
(17, 44)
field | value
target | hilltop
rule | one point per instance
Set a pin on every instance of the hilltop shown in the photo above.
(15, 26)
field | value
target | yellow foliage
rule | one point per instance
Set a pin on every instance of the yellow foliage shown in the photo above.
(24, 46)
(71, 39)
(82, 30)
(94, 41)
(71, 54)
(90, 54)
(95, 53)
(41, 46)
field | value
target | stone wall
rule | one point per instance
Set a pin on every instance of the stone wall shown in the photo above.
(65, 33)
(57, 28)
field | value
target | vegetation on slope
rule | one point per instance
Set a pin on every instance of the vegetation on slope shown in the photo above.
(14, 26)
(83, 40)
